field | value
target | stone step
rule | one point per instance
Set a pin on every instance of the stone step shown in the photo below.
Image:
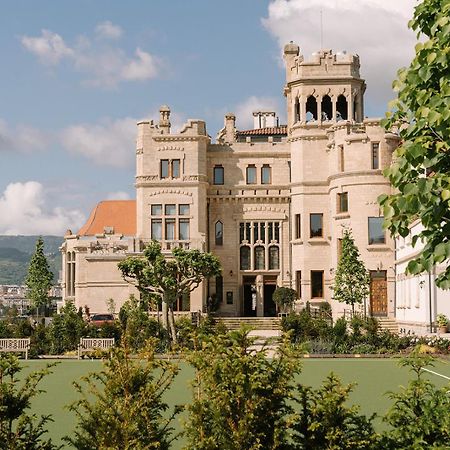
(257, 323)
(388, 324)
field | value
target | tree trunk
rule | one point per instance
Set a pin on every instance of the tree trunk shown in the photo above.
(173, 332)
(164, 310)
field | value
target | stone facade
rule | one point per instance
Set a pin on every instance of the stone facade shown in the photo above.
(271, 202)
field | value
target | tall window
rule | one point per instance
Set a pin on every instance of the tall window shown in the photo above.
(183, 229)
(244, 257)
(375, 155)
(316, 225)
(164, 168)
(266, 174)
(218, 230)
(298, 226)
(298, 283)
(251, 174)
(169, 233)
(259, 258)
(70, 274)
(274, 257)
(316, 283)
(169, 168)
(376, 232)
(156, 231)
(342, 203)
(175, 168)
(218, 175)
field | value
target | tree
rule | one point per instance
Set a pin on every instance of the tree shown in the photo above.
(123, 406)
(351, 282)
(169, 277)
(420, 171)
(284, 298)
(39, 278)
(241, 397)
(18, 429)
(419, 418)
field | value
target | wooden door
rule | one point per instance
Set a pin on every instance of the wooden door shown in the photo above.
(378, 293)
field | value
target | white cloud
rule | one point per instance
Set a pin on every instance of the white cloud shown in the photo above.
(104, 64)
(24, 210)
(119, 195)
(22, 138)
(108, 30)
(50, 47)
(374, 29)
(108, 143)
(244, 111)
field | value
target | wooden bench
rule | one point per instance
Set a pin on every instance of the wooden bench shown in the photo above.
(88, 345)
(15, 345)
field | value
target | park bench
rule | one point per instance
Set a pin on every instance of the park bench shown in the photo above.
(88, 345)
(15, 345)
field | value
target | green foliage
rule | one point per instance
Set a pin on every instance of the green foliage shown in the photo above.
(241, 397)
(420, 173)
(419, 418)
(352, 280)
(324, 421)
(123, 406)
(18, 429)
(284, 298)
(39, 278)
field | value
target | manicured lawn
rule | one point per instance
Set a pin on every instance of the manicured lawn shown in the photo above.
(374, 378)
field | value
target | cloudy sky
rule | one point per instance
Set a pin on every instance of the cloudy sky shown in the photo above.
(76, 76)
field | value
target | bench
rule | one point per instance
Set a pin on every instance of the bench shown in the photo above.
(15, 345)
(88, 345)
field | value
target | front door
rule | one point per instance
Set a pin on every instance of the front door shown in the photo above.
(378, 293)
(249, 295)
(270, 284)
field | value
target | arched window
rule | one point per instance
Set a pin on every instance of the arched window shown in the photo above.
(259, 258)
(341, 108)
(274, 257)
(327, 108)
(218, 231)
(297, 111)
(311, 108)
(245, 257)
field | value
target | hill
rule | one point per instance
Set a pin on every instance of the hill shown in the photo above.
(16, 252)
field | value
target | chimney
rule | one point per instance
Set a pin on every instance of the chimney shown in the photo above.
(230, 127)
(164, 119)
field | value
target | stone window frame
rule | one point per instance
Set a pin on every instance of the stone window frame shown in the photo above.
(218, 180)
(313, 287)
(311, 235)
(180, 216)
(173, 171)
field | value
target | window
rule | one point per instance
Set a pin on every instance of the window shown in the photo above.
(156, 210)
(327, 108)
(315, 223)
(298, 226)
(341, 108)
(218, 230)
(183, 229)
(245, 257)
(219, 289)
(183, 210)
(274, 257)
(342, 205)
(164, 168)
(259, 258)
(70, 274)
(298, 283)
(376, 232)
(316, 283)
(251, 174)
(156, 229)
(266, 174)
(375, 155)
(175, 168)
(311, 109)
(218, 175)
(170, 210)
(169, 230)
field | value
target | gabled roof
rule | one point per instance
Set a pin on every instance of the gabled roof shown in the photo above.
(269, 131)
(120, 215)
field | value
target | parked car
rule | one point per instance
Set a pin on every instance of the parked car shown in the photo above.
(101, 319)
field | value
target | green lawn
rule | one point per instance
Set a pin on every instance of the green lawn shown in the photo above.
(374, 377)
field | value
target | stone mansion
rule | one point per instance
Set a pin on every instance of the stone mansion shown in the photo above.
(271, 202)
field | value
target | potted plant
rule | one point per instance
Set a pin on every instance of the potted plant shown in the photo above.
(442, 322)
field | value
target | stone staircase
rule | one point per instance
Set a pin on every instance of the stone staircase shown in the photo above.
(388, 324)
(256, 323)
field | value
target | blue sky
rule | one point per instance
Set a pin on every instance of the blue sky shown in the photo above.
(76, 76)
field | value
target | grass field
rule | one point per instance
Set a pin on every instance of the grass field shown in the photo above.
(374, 377)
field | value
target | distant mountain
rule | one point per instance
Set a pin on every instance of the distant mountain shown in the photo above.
(16, 252)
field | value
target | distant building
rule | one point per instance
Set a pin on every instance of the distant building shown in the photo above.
(270, 202)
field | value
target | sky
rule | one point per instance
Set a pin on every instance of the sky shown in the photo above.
(75, 77)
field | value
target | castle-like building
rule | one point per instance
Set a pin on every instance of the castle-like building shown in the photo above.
(271, 202)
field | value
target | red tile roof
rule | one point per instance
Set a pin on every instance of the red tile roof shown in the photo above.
(118, 214)
(270, 131)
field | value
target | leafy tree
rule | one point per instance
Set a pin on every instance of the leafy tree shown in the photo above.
(419, 418)
(122, 407)
(284, 298)
(241, 397)
(420, 172)
(325, 422)
(169, 277)
(18, 429)
(39, 278)
(351, 282)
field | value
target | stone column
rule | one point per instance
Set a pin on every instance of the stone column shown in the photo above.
(259, 296)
